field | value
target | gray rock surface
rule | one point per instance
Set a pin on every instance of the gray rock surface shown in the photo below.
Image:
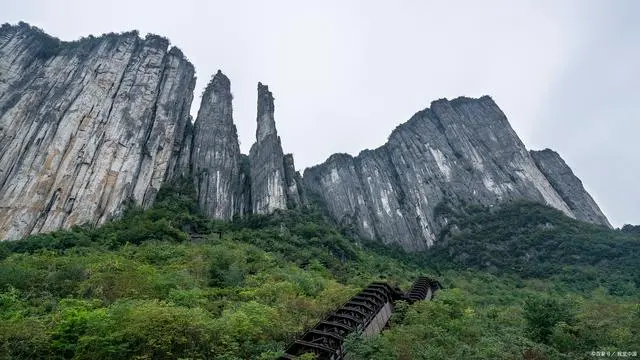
(183, 167)
(243, 204)
(268, 187)
(216, 157)
(569, 187)
(455, 152)
(295, 193)
(86, 126)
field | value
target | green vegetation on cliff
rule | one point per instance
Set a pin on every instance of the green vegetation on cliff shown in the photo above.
(521, 281)
(534, 241)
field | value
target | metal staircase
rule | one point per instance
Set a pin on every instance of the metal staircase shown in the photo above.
(367, 313)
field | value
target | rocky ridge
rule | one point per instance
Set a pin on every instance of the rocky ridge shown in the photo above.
(455, 153)
(568, 186)
(89, 126)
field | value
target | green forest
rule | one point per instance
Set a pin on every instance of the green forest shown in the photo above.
(520, 281)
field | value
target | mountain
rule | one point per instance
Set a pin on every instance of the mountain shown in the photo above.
(97, 132)
(87, 127)
(90, 126)
(452, 154)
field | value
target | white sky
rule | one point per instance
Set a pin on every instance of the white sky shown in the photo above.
(345, 73)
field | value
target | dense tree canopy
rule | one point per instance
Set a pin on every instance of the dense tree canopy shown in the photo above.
(520, 281)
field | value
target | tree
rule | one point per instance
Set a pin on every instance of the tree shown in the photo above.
(542, 314)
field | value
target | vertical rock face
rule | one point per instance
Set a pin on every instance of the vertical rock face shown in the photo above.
(569, 187)
(268, 187)
(216, 154)
(456, 152)
(183, 167)
(243, 204)
(293, 180)
(86, 126)
(338, 182)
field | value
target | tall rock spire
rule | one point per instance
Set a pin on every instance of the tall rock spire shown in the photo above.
(268, 187)
(266, 121)
(216, 152)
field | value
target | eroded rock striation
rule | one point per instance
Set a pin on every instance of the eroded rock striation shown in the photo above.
(295, 191)
(569, 187)
(268, 187)
(456, 153)
(216, 157)
(86, 126)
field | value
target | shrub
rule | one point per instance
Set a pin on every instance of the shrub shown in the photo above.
(543, 314)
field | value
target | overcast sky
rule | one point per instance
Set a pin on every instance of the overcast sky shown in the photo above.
(345, 73)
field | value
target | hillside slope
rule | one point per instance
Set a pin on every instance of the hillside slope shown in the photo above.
(140, 288)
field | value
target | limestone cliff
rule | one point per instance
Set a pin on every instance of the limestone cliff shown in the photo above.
(569, 187)
(86, 126)
(268, 187)
(295, 191)
(215, 157)
(455, 152)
